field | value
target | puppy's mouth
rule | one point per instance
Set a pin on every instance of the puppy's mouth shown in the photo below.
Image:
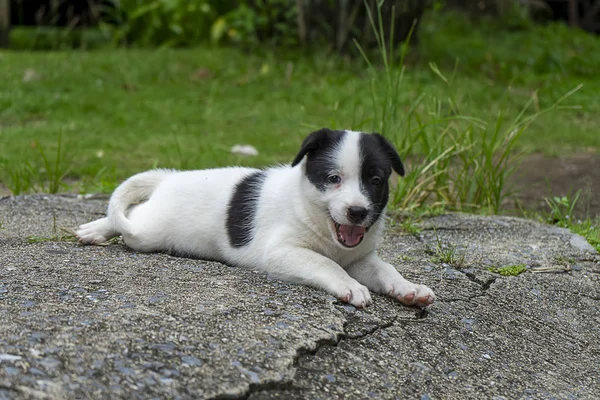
(349, 235)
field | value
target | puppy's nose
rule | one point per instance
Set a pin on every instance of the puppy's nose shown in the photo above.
(357, 214)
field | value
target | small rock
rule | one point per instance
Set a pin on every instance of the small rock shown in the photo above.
(30, 74)
(244, 150)
(191, 361)
(127, 371)
(11, 371)
(50, 363)
(35, 352)
(158, 298)
(36, 371)
(9, 357)
(581, 244)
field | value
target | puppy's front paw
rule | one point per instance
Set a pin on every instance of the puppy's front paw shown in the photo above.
(356, 294)
(411, 294)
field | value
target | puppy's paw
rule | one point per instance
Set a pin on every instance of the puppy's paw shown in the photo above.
(411, 294)
(95, 232)
(356, 294)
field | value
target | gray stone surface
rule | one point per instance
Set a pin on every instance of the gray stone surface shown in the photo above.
(107, 322)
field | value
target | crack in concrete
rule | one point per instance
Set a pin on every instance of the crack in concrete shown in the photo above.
(8, 386)
(288, 383)
(27, 392)
(591, 297)
(592, 258)
(485, 285)
(445, 228)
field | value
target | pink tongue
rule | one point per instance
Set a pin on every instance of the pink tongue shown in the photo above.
(352, 234)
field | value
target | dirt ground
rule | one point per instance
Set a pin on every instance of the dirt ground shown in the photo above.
(541, 176)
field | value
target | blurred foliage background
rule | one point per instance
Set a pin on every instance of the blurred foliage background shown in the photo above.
(177, 83)
(292, 23)
(504, 39)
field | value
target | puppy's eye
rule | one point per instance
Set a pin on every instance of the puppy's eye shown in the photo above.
(376, 181)
(334, 179)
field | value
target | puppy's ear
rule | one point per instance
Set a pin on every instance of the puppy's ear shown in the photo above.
(391, 154)
(311, 143)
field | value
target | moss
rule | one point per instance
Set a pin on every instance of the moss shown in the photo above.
(509, 270)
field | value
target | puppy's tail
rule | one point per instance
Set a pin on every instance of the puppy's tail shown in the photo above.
(134, 190)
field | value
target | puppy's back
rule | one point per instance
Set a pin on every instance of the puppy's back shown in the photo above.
(187, 211)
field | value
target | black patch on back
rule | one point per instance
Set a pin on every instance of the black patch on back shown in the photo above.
(241, 213)
(320, 159)
(378, 158)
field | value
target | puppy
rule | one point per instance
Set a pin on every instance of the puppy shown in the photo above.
(315, 222)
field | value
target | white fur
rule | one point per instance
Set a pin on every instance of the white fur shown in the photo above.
(349, 192)
(293, 240)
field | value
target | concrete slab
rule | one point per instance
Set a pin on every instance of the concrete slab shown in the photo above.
(98, 322)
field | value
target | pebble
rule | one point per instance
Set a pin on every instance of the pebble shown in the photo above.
(9, 357)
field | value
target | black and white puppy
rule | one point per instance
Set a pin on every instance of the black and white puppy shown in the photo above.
(316, 222)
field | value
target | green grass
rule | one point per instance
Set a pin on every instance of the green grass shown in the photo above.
(540, 60)
(447, 253)
(409, 226)
(530, 53)
(126, 111)
(123, 111)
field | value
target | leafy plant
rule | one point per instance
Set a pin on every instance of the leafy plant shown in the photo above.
(562, 208)
(164, 22)
(255, 21)
(316, 23)
(283, 23)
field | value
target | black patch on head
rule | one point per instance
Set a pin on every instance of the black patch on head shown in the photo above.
(378, 159)
(391, 154)
(320, 161)
(242, 209)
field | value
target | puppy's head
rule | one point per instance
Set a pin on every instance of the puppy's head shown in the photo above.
(348, 176)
